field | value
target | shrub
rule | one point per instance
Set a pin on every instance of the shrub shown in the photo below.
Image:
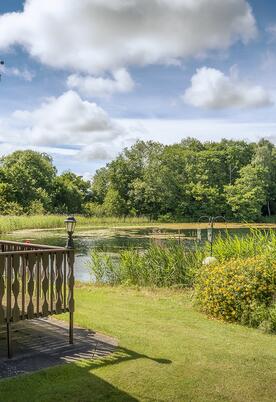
(11, 208)
(36, 208)
(239, 290)
(94, 209)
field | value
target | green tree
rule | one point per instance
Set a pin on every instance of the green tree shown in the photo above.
(248, 194)
(114, 204)
(100, 183)
(265, 157)
(70, 193)
(30, 174)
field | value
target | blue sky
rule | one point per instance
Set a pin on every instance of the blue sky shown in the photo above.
(205, 90)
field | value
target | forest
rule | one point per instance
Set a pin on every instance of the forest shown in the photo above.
(176, 182)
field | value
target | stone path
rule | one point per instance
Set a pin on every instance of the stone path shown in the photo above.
(42, 343)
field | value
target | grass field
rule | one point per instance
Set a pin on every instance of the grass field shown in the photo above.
(168, 352)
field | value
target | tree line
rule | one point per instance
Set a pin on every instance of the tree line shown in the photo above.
(231, 178)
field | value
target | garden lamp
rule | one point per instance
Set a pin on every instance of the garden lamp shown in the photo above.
(210, 235)
(70, 223)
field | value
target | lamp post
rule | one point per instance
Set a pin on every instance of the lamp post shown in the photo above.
(70, 223)
(210, 230)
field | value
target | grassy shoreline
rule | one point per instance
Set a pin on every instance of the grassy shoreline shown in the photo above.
(13, 223)
(10, 224)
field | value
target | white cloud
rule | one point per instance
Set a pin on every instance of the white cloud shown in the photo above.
(101, 87)
(68, 120)
(212, 89)
(92, 36)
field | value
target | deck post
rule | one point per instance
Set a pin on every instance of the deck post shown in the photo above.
(71, 307)
(9, 340)
(71, 328)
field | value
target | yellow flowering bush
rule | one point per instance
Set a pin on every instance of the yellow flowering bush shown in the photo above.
(237, 289)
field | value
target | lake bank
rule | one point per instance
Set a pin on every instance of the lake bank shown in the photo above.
(9, 224)
(81, 227)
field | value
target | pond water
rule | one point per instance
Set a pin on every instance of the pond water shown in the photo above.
(112, 241)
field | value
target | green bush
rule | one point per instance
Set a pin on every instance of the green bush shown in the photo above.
(94, 209)
(36, 208)
(241, 290)
(11, 208)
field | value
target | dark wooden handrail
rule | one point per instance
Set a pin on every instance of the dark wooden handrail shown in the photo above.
(28, 245)
(37, 251)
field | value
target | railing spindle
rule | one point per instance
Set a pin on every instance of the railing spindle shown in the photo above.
(23, 262)
(32, 260)
(16, 287)
(2, 287)
(9, 288)
(59, 282)
(45, 284)
(38, 285)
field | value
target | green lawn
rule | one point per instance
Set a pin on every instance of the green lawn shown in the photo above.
(168, 352)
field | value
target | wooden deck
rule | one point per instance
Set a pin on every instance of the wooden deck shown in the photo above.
(35, 281)
(42, 343)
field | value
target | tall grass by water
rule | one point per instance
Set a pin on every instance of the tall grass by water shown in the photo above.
(257, 242)
(170, 263)
(12, 223)
(160, 265)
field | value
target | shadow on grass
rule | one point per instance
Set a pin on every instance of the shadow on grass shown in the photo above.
(122, 355)
(74, 382)
(103, 390)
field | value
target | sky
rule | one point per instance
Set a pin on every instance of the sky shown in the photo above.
(84, 79)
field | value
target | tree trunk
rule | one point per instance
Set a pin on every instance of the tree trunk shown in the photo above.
(268, 208)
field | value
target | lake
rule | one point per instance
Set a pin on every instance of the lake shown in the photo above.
(113, 240)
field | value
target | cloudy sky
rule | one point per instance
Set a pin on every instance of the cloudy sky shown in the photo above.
(83, 79)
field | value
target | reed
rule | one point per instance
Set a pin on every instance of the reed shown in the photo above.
(170, 263)
(257, 242)
(160, 265)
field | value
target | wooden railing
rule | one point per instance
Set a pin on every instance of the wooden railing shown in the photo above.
(35, 281)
